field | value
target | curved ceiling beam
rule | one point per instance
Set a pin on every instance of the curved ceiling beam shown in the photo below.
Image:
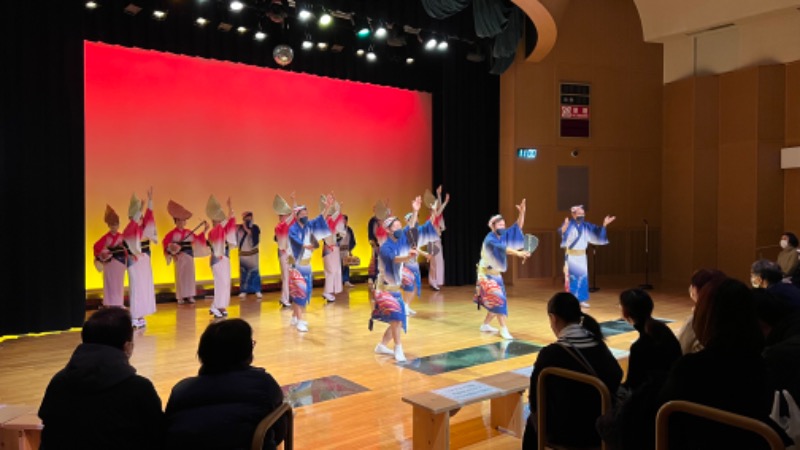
(545, 28)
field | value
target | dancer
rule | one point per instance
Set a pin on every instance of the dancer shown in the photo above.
(110, 257)
(376, 235)
(435, 248)
(346, 242)
(576, 235)
(182, 246)
(389, 303)
(221, 237)
(248, 235)
(331, 257)
(490, 289)
(302, 245)
(285, 220)
(141, 230)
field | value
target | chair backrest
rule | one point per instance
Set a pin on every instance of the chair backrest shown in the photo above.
(718, 415)
(541, 397)
(267, 422)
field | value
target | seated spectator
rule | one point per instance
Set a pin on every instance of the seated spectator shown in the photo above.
(728, 373)
(788, 258)
(630, 424)
(657, 347)
(686, 337)
(97, 401)
(767, 274)
(572, 407)
(222, 406)
(781, 328)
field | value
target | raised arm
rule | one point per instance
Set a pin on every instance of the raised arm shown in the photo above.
(521, 218)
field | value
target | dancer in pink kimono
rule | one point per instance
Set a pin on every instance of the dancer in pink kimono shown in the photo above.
(435, 249)
(182, 246)
(331, 257)
(141, 230)
(110, 257)
(285, 220)
(221, 238)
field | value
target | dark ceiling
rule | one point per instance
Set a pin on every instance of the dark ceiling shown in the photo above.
(113, 21)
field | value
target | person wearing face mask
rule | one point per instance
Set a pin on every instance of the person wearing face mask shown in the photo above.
(110, 257)
(490, 290)
(395, 283)
(141, 230)
(300, 241)
(788, 258)
(767, 274)
(248, 235)
(576, 235)
(97, 401)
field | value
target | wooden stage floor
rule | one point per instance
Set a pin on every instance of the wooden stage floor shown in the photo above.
(339, 344)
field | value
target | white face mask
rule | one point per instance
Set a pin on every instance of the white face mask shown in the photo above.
(784, 243)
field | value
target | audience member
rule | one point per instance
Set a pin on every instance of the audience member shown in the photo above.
(686, 337)
(728, 373)
(630, 424)
(781, 328)
(221, 407)
(767, 274)
(572, 407)
(98, 401)
(788, 258)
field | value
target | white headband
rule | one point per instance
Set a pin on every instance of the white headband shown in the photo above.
(494, 219)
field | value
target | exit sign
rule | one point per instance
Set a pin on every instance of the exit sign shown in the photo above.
(527, 153)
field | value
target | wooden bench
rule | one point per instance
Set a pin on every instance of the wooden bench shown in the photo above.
(20, 427)
(432, 409)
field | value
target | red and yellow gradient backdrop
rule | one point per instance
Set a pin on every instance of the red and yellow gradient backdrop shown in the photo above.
(191, 127)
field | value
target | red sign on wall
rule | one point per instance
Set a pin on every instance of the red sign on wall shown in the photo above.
(574, 112)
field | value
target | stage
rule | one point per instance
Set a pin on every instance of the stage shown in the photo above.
(344, 395)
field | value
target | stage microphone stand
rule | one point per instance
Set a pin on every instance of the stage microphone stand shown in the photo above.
(646, 284)
(593, 287)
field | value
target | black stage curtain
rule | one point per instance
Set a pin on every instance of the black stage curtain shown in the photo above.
(42, 166)
(465, 162)
(42, 143)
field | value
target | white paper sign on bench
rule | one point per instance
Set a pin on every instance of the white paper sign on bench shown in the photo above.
(466, 392)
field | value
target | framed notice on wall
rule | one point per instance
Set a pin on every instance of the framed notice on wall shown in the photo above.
(574, 109)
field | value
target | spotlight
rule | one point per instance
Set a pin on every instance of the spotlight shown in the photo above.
(381, 32)
(159, 15)
(260, 35)
(442, 46)
(236, 5)
(304, 15)
(242, 30)
(325, 19)
(91, 5)
(201, 21)
(322, 46)
(371, 56)
(360, 52)
(362, 27)
(430, 44)
(307, 44)
(409, 61)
